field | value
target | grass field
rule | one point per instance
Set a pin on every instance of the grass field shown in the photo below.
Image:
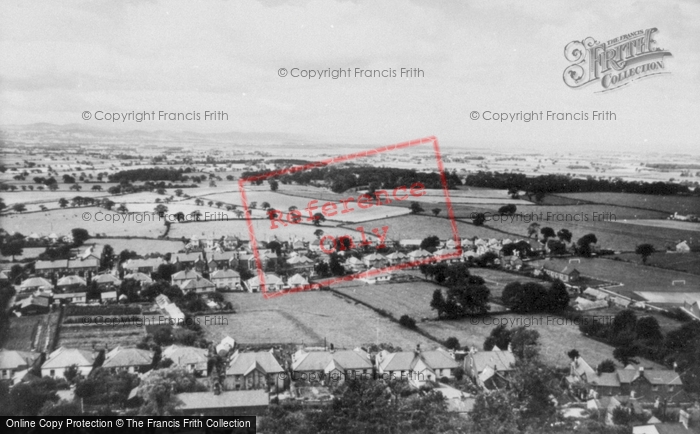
(413, 298)
(688, 262)
(634, 277)
(309, 317)
(32, 333)
(666, 204)
(62, 221)
(140, 246)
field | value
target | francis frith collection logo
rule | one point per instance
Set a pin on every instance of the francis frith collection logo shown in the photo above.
(615, 63)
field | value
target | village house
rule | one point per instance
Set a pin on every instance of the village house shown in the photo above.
(223, 260)
(14, 363)
(198, 285)
(258, 370)
(33, 305)
(188, 261)
(375, 260)
(63, 358)
(108, 296)
(489, 369)
(416, 366)
(396, 258)
(300, 264)
(296, 281)
(272, 283)
(226, 279)
(70, 282)
(146, 266)
(131, 360)
(182, 276)
(106, 281)
(61, 267)
(228, 403)
(193, 359)
(70, 297)
(34, 283)
(332, 366)
(143, 278)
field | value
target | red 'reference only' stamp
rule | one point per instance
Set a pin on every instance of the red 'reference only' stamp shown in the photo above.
(347, 207)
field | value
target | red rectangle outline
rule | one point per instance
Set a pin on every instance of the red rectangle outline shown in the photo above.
(340, 159)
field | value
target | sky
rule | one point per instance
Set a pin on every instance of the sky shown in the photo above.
(60, 59)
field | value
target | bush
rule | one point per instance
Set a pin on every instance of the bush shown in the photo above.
(407, 322)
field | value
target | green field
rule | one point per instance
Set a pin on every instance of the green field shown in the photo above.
(633, 276)
(309, 317)
(665, 204)
(687, 262)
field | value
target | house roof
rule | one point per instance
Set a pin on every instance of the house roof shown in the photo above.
(46, 265)
(186, 275)
(228, 399)
(579, 367)
(71, 280)
(121, 357)
(141, 277)
(501, 360)
(270, 279)
(186, 355)
(35, 282)
(605, 379)
(420, 253)
(567, 271)
(241, 363)
(222, 256)
(196, 283)
(400, 361)
(65, 357)
(133, 264)
(70, 295)
(438, 359)
(84, 263)
(224, 274)
(297, 279)
(319, 360)
(185, 257)
(301, 259)
(655, 376)
(107, 278)
(14, 360)
(107, 295)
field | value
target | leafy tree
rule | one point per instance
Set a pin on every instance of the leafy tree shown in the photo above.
(452, 343)
(158, 390)
(61, 408)
(71, 373)
(556, 247)
(648, 329)
(80, 236)
(438, 302)
(564, 235)
(430, 243)
(435, 211)
(494, 413)
(407, 322)
(500, 337)
(624, 321)
(274, 185)
(318, 233)
(626, 354)
(416, 208)
(606, 365)
(509, 209)
(107, 260)
(621, 416)
(479, 219)
(558, 297)
(533, 229)
(19, 207)
(12, 248)
(547, 233)
(27, 398)
(525, 343)
(645, 250)
(318, 218)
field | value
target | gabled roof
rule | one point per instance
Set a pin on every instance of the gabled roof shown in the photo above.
(228, 399)
(319, 360)
(501, 360)
(605, 379)
(14, 360)
(106, 278)
(438, 359)
(71, 280)
(420, 253)
(655, 376)
(84, 263)
(133, 264)
(579, 367)
(185, 257)
(400, 361)
(222, 256)
(35, 282)
(196, 284)
(301, 259)
(141, 277)
(241, 363)
(124, 357)
(182, 356)
(65, 357)
(297, 279)
(270, 279)
(374, 257)
(396, 255)
(45, 265)
(224, 274)
(186, 275)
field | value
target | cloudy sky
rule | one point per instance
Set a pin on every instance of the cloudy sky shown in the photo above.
(62, 58)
